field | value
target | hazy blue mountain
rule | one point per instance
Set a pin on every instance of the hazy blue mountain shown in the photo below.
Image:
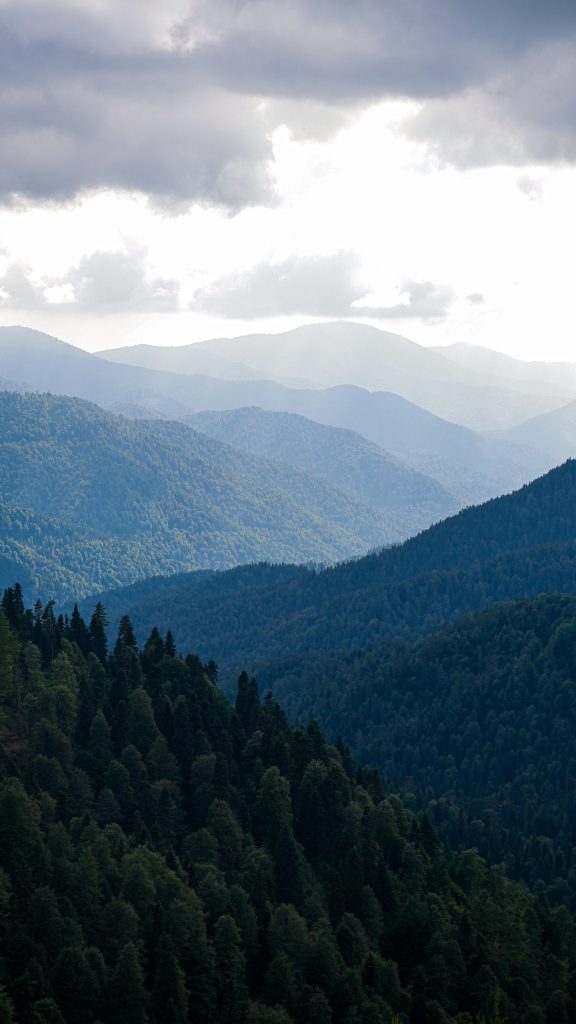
(523, 543)
(342, 457)
(387, 419)
(532, 376)
(148, 497)
(133, 411)
(351, 353)
(50, 365)
(187, 359)
(553, 433)
(467, 487)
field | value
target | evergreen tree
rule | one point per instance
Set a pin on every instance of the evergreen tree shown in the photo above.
(97, 633)
(127, 997)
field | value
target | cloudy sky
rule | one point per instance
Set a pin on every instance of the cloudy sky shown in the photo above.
(198, 168)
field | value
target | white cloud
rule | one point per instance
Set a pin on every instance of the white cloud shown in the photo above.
(316, 286)
(106, 282)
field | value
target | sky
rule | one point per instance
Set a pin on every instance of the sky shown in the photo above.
(191, 169)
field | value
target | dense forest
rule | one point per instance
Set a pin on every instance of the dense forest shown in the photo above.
(166, 857)
(344, 458)
(93, 501)
(475, 724)
(516, 545)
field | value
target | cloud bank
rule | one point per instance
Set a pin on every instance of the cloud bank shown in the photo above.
(165, 99)
(322, 286)
(104, 282)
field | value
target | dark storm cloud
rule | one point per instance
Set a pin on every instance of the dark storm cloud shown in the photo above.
(103, 282)
(323, 286)
(163, 98)
(522, 115)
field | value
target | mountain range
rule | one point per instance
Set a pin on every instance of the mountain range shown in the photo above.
(342, 457)
(487, 465)
(523, 543)
(338, 353)
(92, 499)
(135, 801)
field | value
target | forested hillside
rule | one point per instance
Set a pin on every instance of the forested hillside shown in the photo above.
(383, 417)
(344, 458)
(165, 858)
(477, 724)
(519, 544)
(92, 500)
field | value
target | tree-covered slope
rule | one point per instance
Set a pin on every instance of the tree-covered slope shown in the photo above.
(137, 498)
(385, 418)
(477, 723)
(523, 543)
(168, 859)
(344, 458)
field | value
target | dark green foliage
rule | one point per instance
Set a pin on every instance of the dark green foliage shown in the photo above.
(235, 871)
(477, 724)
(510, 547)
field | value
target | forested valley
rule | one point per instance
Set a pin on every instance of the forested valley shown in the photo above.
(167, 857)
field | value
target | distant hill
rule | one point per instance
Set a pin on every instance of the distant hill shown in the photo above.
(50, 365)
(112, 500)
(523, 543)
(554, 434)
(352, 353)
(533, 377)
(346, 459)
(390, 421)
(187, 359)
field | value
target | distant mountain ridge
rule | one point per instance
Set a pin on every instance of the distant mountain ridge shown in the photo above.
(137, 498)
(332, 354)
(346, 459)
(554, 433)
(387, 419)
(532, 375)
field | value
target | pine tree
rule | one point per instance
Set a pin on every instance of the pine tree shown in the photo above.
(169, 995)
(230, 971)
(97, 633)
(127, 997)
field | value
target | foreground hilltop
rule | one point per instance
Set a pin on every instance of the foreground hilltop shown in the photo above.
(168, 858)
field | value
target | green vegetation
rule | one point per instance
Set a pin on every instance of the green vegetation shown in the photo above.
(93, 501)
(166, 858)
(476, 724)
(521, 544)
(342, 457)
